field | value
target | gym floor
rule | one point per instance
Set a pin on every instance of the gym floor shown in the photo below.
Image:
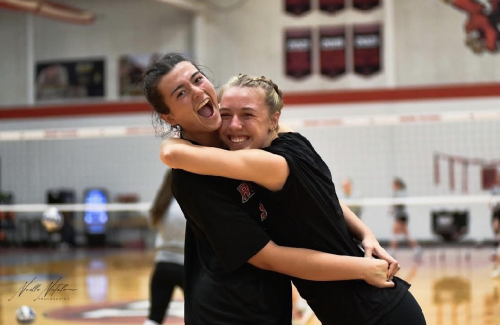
(454, 286)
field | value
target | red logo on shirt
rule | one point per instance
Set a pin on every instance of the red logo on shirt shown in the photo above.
(263, 215)
(246, 192)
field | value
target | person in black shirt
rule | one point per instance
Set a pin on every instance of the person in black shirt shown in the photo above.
(227, 252)
(296, 189)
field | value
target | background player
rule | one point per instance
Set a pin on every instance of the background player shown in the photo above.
(400, 226)
(169, 261)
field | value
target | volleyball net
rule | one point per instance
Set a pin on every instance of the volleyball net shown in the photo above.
(448, 160)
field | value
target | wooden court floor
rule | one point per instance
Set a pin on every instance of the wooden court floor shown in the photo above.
(453, 285)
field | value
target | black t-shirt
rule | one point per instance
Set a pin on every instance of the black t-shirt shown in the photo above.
(221, 236)
(307, 213)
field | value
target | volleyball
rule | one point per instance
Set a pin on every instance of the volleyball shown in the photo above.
(52, 220)
(25, 315)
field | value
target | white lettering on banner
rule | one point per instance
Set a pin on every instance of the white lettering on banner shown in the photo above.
(332, 43)
(298, 44)
(366, 41)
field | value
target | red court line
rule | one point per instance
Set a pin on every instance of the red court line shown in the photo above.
(295, 98)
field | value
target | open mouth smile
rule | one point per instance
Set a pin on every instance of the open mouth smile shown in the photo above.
(205, 109)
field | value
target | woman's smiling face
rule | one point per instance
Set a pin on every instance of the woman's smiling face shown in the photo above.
(192, 101)
(246, 123)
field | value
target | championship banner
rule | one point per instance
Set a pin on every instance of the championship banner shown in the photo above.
(58, 80)
(297, 7)
(298, 52)
(365, 4)
(332, 42)
(331, 6)
(367, 49)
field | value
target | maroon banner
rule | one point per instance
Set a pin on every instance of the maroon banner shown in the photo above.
(365, 4)
(298, 52)
(332, 43)
(488, 177)
(367, 47)
(297, 7)
(331, 6)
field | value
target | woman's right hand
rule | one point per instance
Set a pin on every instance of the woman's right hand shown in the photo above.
(375, 273)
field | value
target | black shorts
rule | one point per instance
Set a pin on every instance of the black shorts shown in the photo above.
(495, 214)
(402, 216)
(407, 312)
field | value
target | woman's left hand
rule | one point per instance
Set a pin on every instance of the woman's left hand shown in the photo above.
(372, 247)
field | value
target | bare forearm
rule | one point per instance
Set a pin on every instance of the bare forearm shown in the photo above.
(194, 159)
(308, 264)
(354, 224)
(261, 167)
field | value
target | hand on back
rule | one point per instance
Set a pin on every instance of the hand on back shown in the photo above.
(372, 248)
(375, 273)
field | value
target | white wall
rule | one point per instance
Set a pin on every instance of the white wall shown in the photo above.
(122, 27)
(250, 40)
(13, 60)
(428, 44)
